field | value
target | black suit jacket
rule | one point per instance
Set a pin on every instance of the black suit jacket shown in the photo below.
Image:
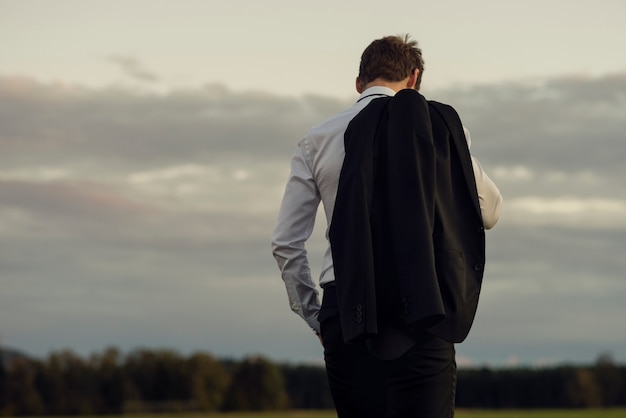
(406, 234)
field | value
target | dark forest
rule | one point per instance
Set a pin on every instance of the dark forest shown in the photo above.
(161, 380)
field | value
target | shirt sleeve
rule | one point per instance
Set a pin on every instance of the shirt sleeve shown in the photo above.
(296, 220)
(489, 195)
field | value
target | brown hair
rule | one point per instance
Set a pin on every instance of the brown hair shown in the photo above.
(392, 58)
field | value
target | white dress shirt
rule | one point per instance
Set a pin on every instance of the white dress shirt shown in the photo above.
(315, 169)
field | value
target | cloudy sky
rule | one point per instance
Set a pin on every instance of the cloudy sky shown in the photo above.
(144, 147)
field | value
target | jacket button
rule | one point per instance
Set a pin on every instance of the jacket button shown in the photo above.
(358, 314)
(480, 228)
(478, 267)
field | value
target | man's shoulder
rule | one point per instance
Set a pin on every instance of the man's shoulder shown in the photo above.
(446, 112)
(376, 105)
(336, 122)
(441, 106)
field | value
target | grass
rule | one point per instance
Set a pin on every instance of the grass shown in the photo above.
(543, 413)
(461, 413)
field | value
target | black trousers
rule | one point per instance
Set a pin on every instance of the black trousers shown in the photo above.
(419, 383)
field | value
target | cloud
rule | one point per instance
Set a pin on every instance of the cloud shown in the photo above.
(581, 211)
(133, 68)
(560, 123)
(68, 199)
(123, 126)
(152, 212)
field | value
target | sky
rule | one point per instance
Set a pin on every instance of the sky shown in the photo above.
(144, 147)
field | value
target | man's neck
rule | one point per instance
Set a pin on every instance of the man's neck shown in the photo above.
(393, 85)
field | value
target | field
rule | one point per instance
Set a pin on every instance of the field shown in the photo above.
(576, 413)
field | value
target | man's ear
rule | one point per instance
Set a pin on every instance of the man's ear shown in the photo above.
(412, 79)
(359, 86)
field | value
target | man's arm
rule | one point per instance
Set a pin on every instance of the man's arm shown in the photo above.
(295, 224)
(489, 195)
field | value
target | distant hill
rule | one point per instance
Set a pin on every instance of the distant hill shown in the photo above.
(7, 355)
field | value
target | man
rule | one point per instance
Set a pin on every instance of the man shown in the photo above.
(380, 360)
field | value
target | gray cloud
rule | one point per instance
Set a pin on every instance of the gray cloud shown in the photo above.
(133, 68)
(561, 124)
(126, 127)
(150, 214)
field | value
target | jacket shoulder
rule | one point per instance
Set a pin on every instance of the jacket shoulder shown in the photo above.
(445, 110)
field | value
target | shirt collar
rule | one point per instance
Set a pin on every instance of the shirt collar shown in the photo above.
(376, 91)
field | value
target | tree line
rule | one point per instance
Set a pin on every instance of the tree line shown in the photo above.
(158, 380)
(161, 380)
(601, 385)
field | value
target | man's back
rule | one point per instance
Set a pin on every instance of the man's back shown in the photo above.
(314, 176)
